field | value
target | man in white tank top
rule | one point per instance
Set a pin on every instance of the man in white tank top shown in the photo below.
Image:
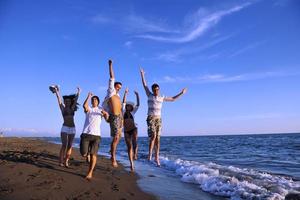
(154, 122)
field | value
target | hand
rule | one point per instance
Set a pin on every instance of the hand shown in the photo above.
(126, 90)
(104, 113)
(90, 95)
(184, 91)
(142, 71)
(78, 90)
(110, 62)
(136, 93)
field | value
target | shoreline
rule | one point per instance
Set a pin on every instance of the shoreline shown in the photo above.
(30, 167)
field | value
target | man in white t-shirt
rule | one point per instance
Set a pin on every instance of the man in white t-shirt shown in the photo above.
(91, 134)
(154, 122)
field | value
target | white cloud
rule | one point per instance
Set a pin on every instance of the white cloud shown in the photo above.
(128, 44)
(175, 56)
(246, 48)
(214, 78)
(137, 24)
(202, 26)
(101, 19)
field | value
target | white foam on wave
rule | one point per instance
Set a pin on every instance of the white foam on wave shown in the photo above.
(230, 181)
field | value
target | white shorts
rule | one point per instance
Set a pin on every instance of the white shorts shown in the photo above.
(68, 130)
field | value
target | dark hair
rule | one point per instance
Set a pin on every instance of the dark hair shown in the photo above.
(155, 85)
(117, 83)
(72, 97)
(96, 98)
(129, 105)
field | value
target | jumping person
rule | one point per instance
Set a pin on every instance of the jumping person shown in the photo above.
(130, 127)
(68, 130)
(112, 103)
(154, 122)
(91, 134)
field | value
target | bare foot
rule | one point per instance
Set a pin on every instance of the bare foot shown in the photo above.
(114, 164)
(67, 164)
(131, 169)
(157, 162)
(88, 177)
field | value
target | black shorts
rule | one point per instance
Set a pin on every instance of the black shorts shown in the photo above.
(89, 144)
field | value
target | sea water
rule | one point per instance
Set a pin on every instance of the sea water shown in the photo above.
(216, 167)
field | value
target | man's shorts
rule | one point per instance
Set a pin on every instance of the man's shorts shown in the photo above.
(68, 130)
(154, 126)
(89, 144)
(116, 124)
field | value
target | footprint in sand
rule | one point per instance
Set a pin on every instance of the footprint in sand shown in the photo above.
(115, 188)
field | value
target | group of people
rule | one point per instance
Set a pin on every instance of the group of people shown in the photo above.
(119, 114)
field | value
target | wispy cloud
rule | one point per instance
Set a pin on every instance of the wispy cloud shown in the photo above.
(203, 25)
(218, 78)
(101, 19)
(128, 44)
(246, 48)
(175, 55)
(138, 24)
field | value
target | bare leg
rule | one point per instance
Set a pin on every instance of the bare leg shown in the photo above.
(92, 166)
(157, 147)
(151, 144)
(64, 140)
(69, 148)
(113, 148)
(135, 145)
(129, 150)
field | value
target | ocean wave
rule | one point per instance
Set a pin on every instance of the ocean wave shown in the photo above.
(232, 182)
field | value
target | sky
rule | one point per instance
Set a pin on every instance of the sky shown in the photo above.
(238, 59)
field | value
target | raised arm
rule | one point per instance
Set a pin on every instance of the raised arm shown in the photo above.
(144, 82)
(76, 98)
(86, 104)
(137, 98)
(59, 100)
(176, 96)
(125, 95)
(111, 70)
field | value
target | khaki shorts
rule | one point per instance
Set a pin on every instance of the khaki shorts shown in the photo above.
(154, 126)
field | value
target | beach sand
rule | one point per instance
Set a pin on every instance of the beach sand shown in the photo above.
(29, 170)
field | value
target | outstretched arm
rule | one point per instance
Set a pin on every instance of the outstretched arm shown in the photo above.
(76, 98)
(125, 95)
(86, 104)
(105, 115)
(144, 82)
(176, 96)
(111, 70)
(59, 100)
(137, 98)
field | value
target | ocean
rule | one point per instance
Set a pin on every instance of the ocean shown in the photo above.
(216, 167)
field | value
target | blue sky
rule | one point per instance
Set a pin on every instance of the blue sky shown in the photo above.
(238, 59)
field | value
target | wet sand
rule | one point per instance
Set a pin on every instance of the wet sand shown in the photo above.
(29, 170)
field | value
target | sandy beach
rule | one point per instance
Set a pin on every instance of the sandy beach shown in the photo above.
(29, 170)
